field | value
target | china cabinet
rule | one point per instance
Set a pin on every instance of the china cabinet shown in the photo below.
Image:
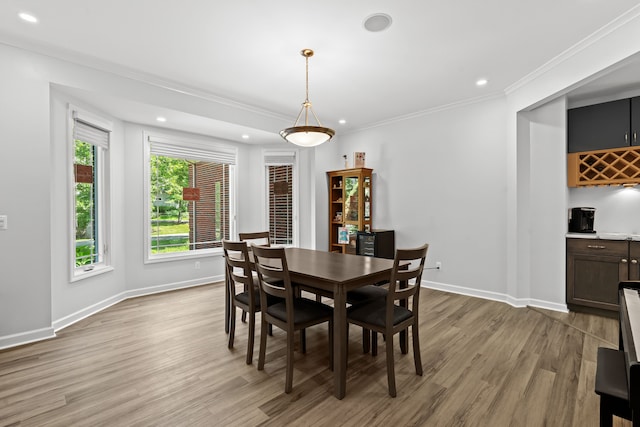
(350, 207)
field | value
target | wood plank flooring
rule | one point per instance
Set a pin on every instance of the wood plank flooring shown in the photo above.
(162, 360)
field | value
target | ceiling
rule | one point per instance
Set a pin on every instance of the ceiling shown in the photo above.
(247, 53)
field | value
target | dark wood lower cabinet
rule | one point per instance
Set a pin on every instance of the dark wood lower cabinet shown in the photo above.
(634, 260)
(594, 269)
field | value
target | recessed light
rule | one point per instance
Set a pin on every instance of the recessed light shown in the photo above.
(377, 22)
(161, 119)
(482, 82)
(245, 136)
(342, 121)
(28, 17)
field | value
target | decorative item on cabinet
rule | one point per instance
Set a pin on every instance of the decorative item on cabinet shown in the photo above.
(350, 207)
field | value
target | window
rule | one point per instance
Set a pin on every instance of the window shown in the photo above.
(190, 207)
(281, 187)
(89, 189)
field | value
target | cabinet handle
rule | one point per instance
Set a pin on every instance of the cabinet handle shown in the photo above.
(635, 137)
(626, 137)
(634, 261)
(623, 260)
(596, 246)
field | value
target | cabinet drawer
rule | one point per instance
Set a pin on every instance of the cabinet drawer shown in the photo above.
(598, 246)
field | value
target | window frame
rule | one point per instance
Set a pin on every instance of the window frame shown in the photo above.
(102, 190)
(184, 143)
(282, 158)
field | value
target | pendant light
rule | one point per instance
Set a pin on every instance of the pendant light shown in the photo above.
(307, 136)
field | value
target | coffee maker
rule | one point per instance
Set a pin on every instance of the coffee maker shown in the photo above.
(581, 220)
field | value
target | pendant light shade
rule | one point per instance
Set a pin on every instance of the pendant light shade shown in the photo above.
(307, 136)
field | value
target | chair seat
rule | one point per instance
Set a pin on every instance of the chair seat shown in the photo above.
(375, 314)
(243, 297)
(611, 374)
(305, 310)
(366, 294)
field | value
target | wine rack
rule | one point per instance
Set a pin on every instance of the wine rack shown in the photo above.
(616, 166)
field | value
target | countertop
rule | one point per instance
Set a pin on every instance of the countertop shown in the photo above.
(604, 236)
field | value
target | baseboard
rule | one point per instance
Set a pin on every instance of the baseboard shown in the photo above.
(23, 338)
(495, 296)
(132, 293)
(47, 333)
(57, 325)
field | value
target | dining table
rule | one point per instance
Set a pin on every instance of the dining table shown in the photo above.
(335, 274)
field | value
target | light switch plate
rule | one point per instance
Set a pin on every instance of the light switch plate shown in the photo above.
(3, 222)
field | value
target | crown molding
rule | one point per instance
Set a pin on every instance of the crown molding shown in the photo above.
(599, 34)
(132, 74)
(428, 111)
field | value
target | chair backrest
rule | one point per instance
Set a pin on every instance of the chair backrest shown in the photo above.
(273, 275)
(408, 266)
(261, 238)
(236, 256)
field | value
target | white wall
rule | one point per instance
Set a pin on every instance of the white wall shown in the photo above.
(545, 283)
(25, 263)
(439, 179)
(617, 208)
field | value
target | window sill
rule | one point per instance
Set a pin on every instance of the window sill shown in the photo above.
(78, 275)
(202, 253)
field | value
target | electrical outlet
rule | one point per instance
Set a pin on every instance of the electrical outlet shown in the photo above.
(3, 222)
(197, 265)
(438, 265)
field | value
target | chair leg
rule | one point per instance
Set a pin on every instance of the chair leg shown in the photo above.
(374, 343)
(270, 329)
(244, 316)
(232, 325)
(606, 414)
(391, 373)
(303, 341)
(252, 331)
(331, 343)
(366, 342)
(417, 359)
(263, 344)
(289, 376)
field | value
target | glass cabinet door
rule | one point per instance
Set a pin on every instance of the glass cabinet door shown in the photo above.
(351, 198)
(367, 198)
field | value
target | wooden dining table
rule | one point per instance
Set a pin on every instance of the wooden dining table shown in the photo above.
(336, 274)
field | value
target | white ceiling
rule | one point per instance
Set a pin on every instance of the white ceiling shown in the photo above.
(247, 52)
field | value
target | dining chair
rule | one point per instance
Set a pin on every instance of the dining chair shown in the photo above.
(388, 318)
(293, 313)
(259, 238)
(262, 238)
(239, 272)
(366, 295)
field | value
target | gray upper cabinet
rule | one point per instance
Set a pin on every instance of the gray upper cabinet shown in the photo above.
(601, 126)
(635, 121)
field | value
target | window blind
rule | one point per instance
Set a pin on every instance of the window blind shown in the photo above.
(279, 157)
(88, 133)
(179, 150)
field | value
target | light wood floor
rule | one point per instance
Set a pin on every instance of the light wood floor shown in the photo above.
(162, 360)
